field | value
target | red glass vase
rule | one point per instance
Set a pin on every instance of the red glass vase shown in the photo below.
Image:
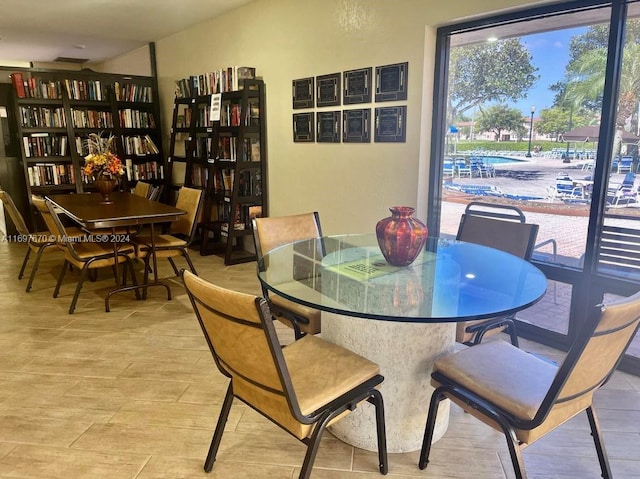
(400, 236)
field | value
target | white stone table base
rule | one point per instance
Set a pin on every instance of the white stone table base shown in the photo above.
(405, 353)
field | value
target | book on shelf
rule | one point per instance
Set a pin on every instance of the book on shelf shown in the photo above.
(217, 81)
(18, 84)
(51, 174)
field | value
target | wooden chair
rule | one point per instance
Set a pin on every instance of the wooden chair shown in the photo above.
(501, 227)
(302, 387)
(526, 397)
(269, 233)
(84, 255)
(180, 235)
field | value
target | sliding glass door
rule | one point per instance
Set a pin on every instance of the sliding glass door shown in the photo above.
(540, 110)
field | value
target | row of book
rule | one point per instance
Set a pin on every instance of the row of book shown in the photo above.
(132, 92)
(217, 81)
(51, 174)
(92, 90)
(241, 219)
(231, 114)
(42, 117)
(130, 118)
(91, 118)
(228, 149)
(149, 170)
(33, 87)
(139, 145)
(43, 144)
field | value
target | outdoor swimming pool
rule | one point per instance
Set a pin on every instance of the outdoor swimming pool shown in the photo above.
(498, 160)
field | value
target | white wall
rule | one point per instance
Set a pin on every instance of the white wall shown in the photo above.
(351, 185)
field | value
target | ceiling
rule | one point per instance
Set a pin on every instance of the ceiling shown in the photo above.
(43, 30)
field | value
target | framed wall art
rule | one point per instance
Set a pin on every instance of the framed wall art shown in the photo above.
(390, 124)
(328, 125)
(391, 82)
(303, 127)
(356, 126)
(303, 93)
(357, 86)
(328, 90)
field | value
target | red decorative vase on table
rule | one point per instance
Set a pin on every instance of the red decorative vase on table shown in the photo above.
(400, 236)
(105, 185)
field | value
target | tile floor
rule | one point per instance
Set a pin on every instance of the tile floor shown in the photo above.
(134, 393)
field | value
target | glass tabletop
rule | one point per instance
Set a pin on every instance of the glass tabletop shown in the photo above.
(449, 281)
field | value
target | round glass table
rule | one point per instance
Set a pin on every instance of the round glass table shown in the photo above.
(400, 317)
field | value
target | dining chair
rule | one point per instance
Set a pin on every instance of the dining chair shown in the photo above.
(526, 397)
(302, 387)
(142, 189)
(179, 237)
(271, 232)
(40, 242)
(84, 255)
(502, 227)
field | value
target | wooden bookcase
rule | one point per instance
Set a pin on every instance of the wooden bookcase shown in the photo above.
(57, 110)
(228, 160)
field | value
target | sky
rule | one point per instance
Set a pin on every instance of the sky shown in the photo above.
(550, 52)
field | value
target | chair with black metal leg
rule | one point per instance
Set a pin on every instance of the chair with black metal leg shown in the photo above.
(302, 387)
(501, 227)
(271, 232)
(85, 256)
(526, 397)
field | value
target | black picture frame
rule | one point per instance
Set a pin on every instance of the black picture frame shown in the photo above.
(328, 127)
(303, 93)
(356, 126)
(303, 127)
(390, 124)
(328, 90)
(357, 86)
(391, 82)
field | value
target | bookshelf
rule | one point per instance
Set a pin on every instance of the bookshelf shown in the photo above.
(227, 159)
(57, 110)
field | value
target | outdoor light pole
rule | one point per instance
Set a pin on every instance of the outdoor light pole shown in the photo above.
(533, 110)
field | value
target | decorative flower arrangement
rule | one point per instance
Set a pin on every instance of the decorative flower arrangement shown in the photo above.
(101, 160)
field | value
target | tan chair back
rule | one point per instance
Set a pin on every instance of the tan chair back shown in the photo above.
(54, 224)
(271, 232)
(41, 205)
(245, 348)
(598, 350)
(14, 213)
(189, 200)
(142, 189)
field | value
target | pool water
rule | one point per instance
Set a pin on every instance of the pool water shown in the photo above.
(499, 160)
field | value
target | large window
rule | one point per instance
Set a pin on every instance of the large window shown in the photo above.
(537, 112)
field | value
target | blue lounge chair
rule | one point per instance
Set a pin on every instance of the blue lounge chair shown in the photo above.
(566, 189)
(625, 164)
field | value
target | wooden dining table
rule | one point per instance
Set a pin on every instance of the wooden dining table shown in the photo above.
(126, 211)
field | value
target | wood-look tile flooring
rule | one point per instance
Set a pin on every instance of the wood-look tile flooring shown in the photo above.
(134, 393)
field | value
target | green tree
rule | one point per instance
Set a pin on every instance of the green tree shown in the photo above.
(499, 118)
(556, 120)
(489, 72)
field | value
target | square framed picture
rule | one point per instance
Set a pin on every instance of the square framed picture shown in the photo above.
(356, 126)
(328, 90)
(391, 82)
(303, 127)
(328, 125)
(357, 86)
(303, 93)
(391, 124)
